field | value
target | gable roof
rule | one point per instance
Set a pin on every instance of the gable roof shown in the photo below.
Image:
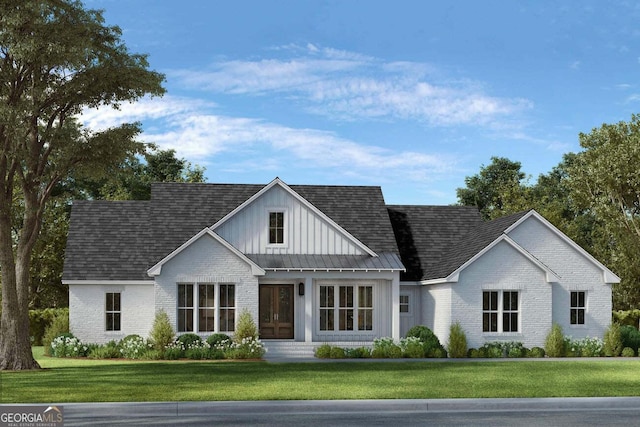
(426, 233)
(122, 240)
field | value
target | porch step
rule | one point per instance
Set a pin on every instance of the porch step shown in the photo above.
(300, 350)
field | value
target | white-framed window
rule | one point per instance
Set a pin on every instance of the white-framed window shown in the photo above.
(227, 307)
(578, 307)
(352, 305)
(405, 304)
(185, 307)
(276, 227)
(113, 311)
(206, 307)
(500, 311)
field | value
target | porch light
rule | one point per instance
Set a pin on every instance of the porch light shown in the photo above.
(301, 289)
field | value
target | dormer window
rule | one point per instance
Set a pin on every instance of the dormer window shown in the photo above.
(276, 228)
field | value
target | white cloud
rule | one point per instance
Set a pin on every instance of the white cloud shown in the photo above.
(201, 136)
(348, 86)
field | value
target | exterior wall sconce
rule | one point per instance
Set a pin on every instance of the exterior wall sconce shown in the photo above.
(301, 289)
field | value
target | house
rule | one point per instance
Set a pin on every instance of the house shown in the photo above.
(322, 264)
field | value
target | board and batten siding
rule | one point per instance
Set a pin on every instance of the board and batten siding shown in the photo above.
(305, 232)
(413, 317)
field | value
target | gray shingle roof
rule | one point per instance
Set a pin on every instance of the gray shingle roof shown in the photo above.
(435, 241)
(122, 240)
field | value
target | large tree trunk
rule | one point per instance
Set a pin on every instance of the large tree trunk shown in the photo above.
(15, 344)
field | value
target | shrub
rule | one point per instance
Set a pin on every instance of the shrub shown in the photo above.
(590, 347)
(248, 348)
(412, 348)
(475, 353)
(457, 345)
(493, 350)
(628, 352)
(536, 352)
(613, 340)
(429, 340)
(174, 351)
(438, 353)
(554, 344)
(246, 327)
(197, 351)
(218, 340)
(385, 348)
(40, 319)
(66, 345)
(133, 347)
(630, 337)
(109, 350)
(358, 353)
(337, 353)
(188, 339)
(323, 352)
(59, 325)
(162, 333)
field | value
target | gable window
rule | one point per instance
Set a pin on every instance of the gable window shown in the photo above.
(113, 311)
(352, 305)
(276, 228)
(500, 311)
(206, 307)
(578, 307)
(404, 304)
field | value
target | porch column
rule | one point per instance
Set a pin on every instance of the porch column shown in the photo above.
(308, 310)
(395, 307)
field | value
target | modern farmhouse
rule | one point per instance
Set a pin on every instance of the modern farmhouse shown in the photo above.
(322, 264)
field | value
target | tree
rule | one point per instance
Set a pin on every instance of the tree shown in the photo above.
(56, 58)
(605, 178)
(498, 186)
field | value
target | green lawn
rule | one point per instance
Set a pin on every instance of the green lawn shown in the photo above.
(82, 380)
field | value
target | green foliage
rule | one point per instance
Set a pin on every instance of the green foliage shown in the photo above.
(583, 347)
(66, 345)
(536, 352)
(385, 348)
(627, 317)
(110, 350)
(134, 347)
(323, 351)
(457, 346)
(554, 344)
(59, 325)
(337, 353)
(628, 352)
(189, 339)
(248, 348)
(612, 340)
(630, 337)
(40, 319)
(218, 340)
(430, 342)
(245, 327)
(412, 348)
(162, 333)
(358, 353)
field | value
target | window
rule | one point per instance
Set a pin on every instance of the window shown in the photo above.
(197, 310)
(351, 305)
(500, 311)
(227, 308)
(113, 311)
(578, 307)
(490, 311)
(185, 308)
(326, 308)
(276, 228)
(404, 304)
(206, 308)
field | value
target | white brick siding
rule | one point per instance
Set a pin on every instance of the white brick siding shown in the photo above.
(87, 311)
(206, 261)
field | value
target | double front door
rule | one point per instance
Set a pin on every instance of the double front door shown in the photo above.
(276, 311)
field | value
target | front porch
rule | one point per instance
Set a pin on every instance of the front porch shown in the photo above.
(296, 350)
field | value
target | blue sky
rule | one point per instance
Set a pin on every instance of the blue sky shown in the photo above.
(409, 95)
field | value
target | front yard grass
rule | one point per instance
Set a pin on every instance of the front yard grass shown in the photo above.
(85, 380)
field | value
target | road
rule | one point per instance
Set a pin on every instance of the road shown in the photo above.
(444, 412)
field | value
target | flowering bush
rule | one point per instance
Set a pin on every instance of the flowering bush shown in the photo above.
(412, 347)
(584, 347)
(385, 348)
(247, 348)
(134, 347)
(66, 345)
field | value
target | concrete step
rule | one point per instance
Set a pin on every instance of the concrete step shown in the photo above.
(300, 350)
